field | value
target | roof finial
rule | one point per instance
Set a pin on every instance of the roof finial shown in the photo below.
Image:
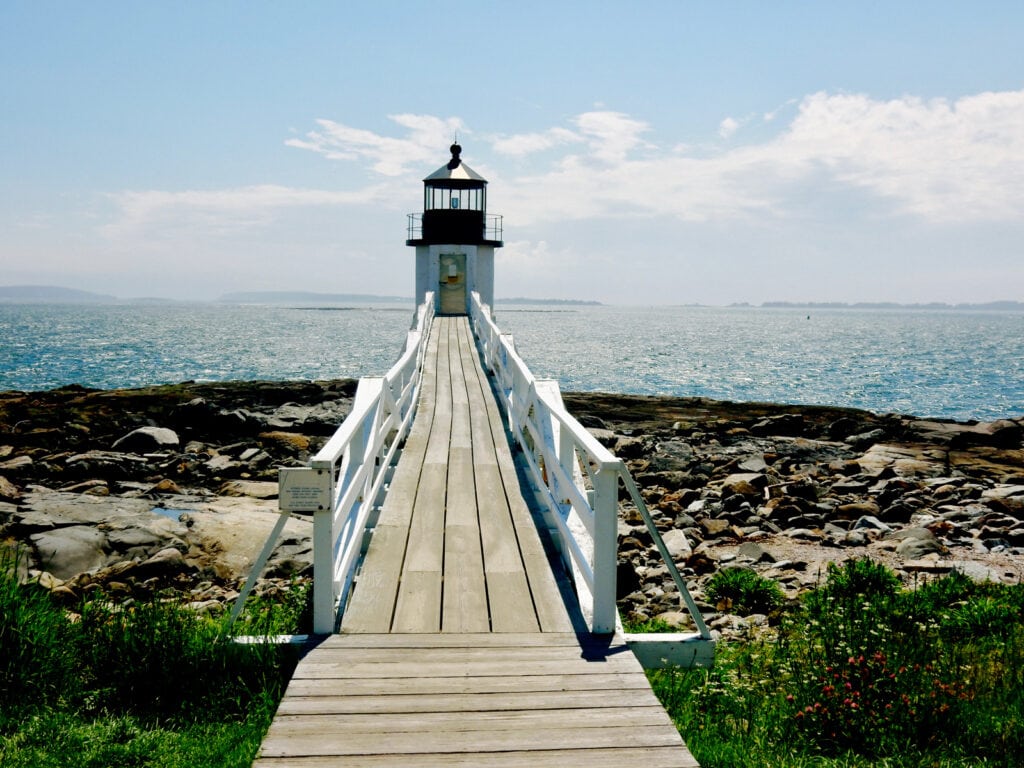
(456, 151)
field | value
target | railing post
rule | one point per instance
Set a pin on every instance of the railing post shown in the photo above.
(606, 530)
(323, 561)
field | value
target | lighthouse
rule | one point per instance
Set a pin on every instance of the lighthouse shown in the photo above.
(454, 238)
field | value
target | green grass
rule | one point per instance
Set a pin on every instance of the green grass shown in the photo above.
(859, 673)
(61, 739)
(864, 673)
(151, 684)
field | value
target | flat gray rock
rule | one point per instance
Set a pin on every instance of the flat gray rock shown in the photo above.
(147, 440)
(67, 551)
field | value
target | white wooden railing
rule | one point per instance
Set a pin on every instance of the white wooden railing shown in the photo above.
(344, 484)
(577, 479)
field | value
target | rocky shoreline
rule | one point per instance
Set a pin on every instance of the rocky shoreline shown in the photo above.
(137, 492)
(785, 490)
(167, 489)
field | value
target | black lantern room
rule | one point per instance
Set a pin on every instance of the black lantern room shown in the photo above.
(454, 208)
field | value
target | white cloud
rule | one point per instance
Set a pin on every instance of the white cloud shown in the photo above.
(611, 135)
(940, 160)
(935, 161)
(521, 144)
(728, 127)
(220, 211)
(769, 116)
(388, 156)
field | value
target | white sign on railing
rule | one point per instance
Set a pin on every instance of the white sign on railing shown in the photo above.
(303, 489)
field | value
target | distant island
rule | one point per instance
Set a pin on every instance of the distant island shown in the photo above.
(308, 297)
(26, 294)
(560, 302)
(52, 294)
(1006, 306)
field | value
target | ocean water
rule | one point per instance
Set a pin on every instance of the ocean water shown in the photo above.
(126, 345)
(944, 364)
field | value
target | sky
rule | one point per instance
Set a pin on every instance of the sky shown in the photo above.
(639, 153)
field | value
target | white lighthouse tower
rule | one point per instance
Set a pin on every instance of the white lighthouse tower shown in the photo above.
(454, 238)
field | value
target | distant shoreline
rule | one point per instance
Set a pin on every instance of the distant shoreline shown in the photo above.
(1001, 306)
(46, 294)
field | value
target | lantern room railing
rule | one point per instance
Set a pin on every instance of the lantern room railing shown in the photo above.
(491, 230)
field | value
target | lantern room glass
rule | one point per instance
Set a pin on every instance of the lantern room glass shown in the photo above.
(436, 198)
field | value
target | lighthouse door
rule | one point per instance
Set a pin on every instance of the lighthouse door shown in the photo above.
(451, 287)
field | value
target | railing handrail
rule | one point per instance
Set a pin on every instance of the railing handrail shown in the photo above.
(564, 458)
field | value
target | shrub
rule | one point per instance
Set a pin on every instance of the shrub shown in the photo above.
(864, 673)
(744, 591)
(858, 577)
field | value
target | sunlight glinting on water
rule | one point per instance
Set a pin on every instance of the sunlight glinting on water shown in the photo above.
(950, 364)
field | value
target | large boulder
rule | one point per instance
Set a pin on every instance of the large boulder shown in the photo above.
(67, 551)
(677, 544)
(905, 460)
(148, 440)
(915, 543)
(9, 491)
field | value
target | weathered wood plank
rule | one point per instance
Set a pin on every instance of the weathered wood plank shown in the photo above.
(427, 685)
(425, 551)
(570, 654)
(440, 432)
(500, 543)
(585, 650)
(342, 703)
(529, 721)
(372, 603)
(460, 505)
(420, 667)
(419, 602)
(483, 441)
(509, 594)
(418, 606)
(464, 640)
(625, 735)
(465, 593)
(609, 757)
(510, 602)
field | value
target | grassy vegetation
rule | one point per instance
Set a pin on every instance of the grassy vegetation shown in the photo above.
(744, 591)
(151, 684)
(865, 673)
(860, 672)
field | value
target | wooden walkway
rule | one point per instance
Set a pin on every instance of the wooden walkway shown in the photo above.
(459, 645)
